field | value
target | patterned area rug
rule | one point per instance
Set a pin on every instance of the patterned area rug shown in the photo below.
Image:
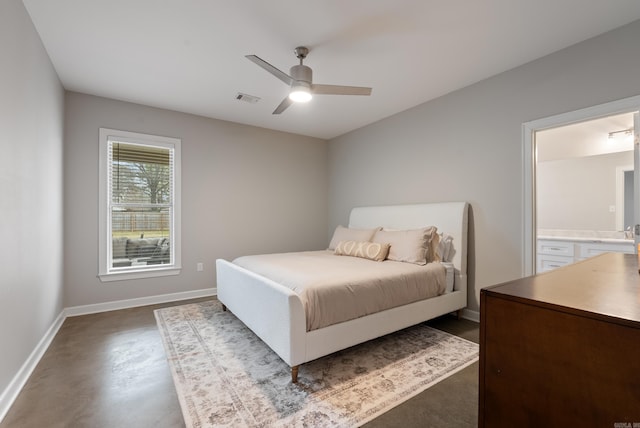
(226, 376)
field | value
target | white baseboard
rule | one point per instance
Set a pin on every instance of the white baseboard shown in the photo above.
(471, 315)
(140, 301)
(10, 394)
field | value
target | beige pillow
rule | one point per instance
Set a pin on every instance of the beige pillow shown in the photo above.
(347, 234)
(411, 246)
(434, 243)
(366, 250)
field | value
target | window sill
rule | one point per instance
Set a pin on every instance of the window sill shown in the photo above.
(139, 274)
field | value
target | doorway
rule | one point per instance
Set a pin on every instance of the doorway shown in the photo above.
(576, 177)
(575, 180)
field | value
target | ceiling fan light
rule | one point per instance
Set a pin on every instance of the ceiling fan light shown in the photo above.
(300, 94)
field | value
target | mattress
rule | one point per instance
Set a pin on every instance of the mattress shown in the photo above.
(335, 289)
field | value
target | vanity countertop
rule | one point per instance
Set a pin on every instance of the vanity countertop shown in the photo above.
(587, 239)
(605, 237)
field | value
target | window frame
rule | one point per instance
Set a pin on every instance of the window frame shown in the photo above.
(106, 272)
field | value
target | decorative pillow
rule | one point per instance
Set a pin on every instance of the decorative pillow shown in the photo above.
(347, 234)
(366, 250)
(411, 246)
(433, 255)
(445, 247)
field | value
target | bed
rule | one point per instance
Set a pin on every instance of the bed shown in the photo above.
(277, 315)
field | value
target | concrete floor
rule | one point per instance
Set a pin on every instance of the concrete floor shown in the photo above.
(450, 403)
(110, 370)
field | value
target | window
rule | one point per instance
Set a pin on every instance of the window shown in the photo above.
(139, 205)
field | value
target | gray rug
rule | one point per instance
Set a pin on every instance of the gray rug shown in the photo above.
(226, 376)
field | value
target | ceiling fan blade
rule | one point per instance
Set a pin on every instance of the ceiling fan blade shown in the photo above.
(271, 69)
(339, 90)
(283, 105)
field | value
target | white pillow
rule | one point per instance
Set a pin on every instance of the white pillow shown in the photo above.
(445, 247)
(348, 234)
(411, 246)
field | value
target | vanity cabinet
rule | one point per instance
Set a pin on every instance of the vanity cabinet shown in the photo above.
(555, 253)
(590, 249)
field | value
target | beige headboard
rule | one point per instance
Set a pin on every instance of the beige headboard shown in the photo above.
(448, 217)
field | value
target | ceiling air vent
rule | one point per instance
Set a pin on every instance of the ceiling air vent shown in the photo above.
(252, 99)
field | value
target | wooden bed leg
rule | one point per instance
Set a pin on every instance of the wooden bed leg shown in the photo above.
(224, 308)
(459, 314)
(294, 374)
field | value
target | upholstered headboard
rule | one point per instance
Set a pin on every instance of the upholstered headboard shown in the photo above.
(448, 217)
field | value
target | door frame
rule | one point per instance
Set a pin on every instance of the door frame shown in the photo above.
(620, 173)
(625, 105)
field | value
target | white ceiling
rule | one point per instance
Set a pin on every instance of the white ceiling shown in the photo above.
(589, 138)
(188, 55)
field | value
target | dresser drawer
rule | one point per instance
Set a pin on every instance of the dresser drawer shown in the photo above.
(556, 248)
(593, 249)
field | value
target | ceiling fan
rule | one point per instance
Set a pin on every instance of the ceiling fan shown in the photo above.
(300, 81)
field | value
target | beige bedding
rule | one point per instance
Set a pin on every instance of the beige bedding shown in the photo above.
(335, 288)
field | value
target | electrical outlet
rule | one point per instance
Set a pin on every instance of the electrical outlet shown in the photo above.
(200, 267)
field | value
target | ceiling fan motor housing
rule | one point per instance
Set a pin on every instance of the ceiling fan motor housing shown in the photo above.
(301, 73)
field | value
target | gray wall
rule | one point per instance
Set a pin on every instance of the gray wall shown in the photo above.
(244, 190)
(31, 120)
(467, 146)
(250, 190)
(576, 193)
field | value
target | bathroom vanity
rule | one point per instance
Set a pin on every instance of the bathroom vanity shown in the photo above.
(561, 248)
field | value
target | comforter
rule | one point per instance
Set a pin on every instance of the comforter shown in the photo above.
(336, 288)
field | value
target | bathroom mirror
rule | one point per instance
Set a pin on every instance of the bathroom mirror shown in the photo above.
(584, 176)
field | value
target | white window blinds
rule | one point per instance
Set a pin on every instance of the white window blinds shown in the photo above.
(141, 196)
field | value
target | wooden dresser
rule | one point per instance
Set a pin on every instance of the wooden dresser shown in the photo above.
(562, 348)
